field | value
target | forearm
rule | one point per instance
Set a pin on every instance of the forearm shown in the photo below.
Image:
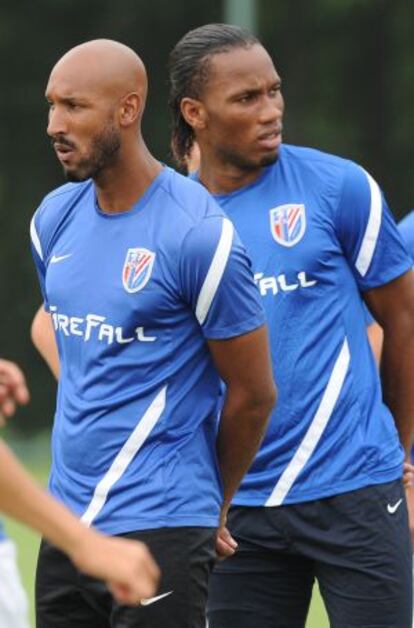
(23, 499)
(242, 427)
(397, 375)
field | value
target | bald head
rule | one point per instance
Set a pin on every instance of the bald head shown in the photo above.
(96, 93)
(103, 68)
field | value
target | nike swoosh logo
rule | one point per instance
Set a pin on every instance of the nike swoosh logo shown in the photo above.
(392, 509)
(150, 600)
(58, 258)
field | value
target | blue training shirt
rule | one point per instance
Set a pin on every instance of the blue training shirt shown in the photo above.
(406, 228)
(319, 233)
(133, 297)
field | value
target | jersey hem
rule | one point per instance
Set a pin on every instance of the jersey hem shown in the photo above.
(136, 525)
(345, 487)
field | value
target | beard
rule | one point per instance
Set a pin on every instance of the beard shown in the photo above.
(103, 154)
(243, 161)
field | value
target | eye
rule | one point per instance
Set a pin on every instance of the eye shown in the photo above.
(72, 105)
(248, 97)
(274, 91)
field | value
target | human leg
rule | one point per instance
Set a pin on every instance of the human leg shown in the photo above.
(263, 583)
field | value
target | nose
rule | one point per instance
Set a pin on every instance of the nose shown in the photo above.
(57, 122)
(272, 108)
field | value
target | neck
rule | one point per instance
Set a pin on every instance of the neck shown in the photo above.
(223, 178)
(118, 188)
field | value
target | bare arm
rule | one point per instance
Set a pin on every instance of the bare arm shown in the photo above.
(43, 338)
(375, 337)
(244, 365)
(126, 566)
(392, 305)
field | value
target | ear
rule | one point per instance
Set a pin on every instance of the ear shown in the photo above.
(194, 113)
(130, 109)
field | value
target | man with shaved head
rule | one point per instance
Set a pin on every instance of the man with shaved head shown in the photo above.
(152, 301)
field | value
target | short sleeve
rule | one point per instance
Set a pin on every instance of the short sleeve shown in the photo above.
(367, 231)
(217, 282)
(406, 228)
(38, 257)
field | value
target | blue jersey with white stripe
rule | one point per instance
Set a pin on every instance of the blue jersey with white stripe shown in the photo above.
(133, 297)
(319, 233)
(406, 228)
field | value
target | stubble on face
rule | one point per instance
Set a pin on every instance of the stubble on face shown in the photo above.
(102, 155)
(242, 161)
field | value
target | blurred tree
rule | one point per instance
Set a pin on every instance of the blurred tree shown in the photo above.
(347, 69)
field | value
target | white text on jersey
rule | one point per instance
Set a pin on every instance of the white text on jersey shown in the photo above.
(93, 324)
(276, 283)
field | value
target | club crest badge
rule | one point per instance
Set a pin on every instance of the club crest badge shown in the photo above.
(137, 269)
(288, 223)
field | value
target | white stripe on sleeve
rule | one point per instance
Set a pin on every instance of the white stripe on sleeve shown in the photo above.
(35, 238)
(315, 430)
(215, 272)
(125, 456)
(369, 241)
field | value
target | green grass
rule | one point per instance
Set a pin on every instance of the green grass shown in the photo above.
(36, 457)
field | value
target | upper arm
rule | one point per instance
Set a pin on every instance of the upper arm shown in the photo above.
(244, 362)
(367, 232)
(38, 255)
(43, 338)
(217, 282)
(392, 304)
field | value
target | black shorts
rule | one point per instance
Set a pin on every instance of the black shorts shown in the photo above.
(65, 598)
(357, 545)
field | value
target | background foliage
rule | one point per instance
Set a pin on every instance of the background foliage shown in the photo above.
(347, 67)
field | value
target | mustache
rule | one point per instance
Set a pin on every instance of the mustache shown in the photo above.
(62, 141)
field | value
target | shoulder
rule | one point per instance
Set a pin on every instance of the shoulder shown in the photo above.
(53, 210)
(190, 200)
(57, 200)
(320, 164)
(330, 176)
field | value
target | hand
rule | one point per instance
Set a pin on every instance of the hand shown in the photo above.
(408, 475)
(125, 565)
(225, 544)
(13, 389)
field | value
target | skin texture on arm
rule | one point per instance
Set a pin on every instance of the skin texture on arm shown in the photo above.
(43, 338)
(392, 305)
(375, 337)
(126, 566)
(244, 365)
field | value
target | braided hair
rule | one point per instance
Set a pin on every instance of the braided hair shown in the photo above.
(189, 67)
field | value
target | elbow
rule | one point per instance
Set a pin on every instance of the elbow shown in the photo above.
(262, 402)
(270, 398)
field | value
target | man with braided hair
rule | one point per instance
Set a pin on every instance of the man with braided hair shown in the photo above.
(324, 497)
